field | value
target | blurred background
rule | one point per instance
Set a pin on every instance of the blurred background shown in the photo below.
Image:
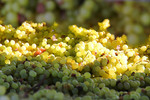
(129, 18)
